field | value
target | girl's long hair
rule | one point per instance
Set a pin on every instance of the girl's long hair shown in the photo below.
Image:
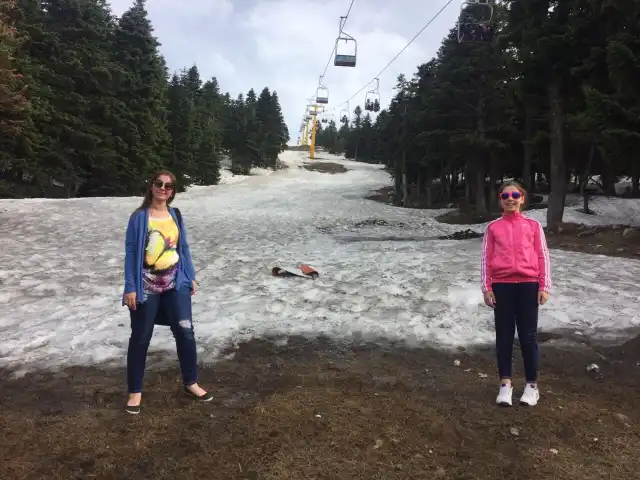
(148, 196)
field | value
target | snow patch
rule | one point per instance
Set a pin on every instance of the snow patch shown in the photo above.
(61, 271)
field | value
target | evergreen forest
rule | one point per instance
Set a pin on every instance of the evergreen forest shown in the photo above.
(89, 108)
(553, 101)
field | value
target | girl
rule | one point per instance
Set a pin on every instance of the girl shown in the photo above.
(516, 279)
(159, 282)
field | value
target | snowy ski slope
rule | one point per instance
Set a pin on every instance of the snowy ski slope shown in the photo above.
(61, 268)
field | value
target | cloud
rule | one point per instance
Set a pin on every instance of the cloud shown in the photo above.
(285, 44)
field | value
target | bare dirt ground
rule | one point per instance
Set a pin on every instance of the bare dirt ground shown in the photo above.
(611, 240)
(325, 167)
(320, 410)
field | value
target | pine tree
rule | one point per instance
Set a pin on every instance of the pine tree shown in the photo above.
(207, 156)
(79, 74)
(99, 113)
(14, 120)
(330, 139)
(272, 133)
(181, 124)
(612, 99)
(245, 150)
(36, 44)
(241, 138)
(282, 129)
(141, 90)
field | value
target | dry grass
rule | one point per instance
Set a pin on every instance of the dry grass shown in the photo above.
(316, 410)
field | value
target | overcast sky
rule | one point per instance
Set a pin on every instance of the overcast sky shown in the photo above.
(285, 44)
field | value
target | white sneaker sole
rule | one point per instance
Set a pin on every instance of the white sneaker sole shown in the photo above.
(524, 403)
(504, 403)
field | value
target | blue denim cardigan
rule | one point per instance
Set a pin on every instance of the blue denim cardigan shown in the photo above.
(134, 254)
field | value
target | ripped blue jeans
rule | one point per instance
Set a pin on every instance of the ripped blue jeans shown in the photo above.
(175, 307)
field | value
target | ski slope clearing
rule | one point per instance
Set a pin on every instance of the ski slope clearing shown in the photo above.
(382, 273)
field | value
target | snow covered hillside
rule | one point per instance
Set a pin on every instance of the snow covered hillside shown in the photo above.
(61, 271)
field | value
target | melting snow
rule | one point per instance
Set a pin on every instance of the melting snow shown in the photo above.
(62, 271)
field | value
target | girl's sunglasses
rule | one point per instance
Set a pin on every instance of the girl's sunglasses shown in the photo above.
(160, 184)
(514, 195)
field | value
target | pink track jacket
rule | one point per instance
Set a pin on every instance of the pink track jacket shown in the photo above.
(514, 250)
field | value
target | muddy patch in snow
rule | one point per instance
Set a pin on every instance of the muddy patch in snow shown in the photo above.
(610, 240)
(325, 167)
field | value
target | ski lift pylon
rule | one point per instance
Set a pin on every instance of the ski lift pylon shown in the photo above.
(474, 23)
(345, 57)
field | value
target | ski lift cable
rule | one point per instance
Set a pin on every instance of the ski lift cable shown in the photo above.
(333, 50)
(399, 53)
(346, 17)
(343, 21)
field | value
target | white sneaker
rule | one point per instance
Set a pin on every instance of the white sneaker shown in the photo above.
(530, 396)
(505, 395)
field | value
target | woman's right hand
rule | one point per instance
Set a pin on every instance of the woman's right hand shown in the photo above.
(490, 299)
(130, 300)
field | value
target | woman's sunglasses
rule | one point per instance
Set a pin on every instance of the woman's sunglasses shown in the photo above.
(514, 195)
(166, 185)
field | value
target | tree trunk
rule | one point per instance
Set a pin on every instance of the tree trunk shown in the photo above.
(355, 159)
(446, 188)
(467, 184)
(453, 183)
(445, 185)
(405, 186)
(608, 179)
(528, 147)
(480, 192)
(397, 185)
(480, 167)
(557, 175)
(585, 179)
(494, 176)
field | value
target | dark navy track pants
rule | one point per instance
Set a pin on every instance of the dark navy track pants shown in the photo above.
(517, 308)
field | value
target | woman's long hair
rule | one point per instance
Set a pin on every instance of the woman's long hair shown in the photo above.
(148, 196)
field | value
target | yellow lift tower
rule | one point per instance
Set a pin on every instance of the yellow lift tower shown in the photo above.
(314, 119)
(306, 129)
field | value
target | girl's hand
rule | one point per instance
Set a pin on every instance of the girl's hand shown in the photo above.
(490, 299)
(130, 300)
(193, 288)
(542, 297)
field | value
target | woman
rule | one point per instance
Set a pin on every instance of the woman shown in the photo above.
(159, 282)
